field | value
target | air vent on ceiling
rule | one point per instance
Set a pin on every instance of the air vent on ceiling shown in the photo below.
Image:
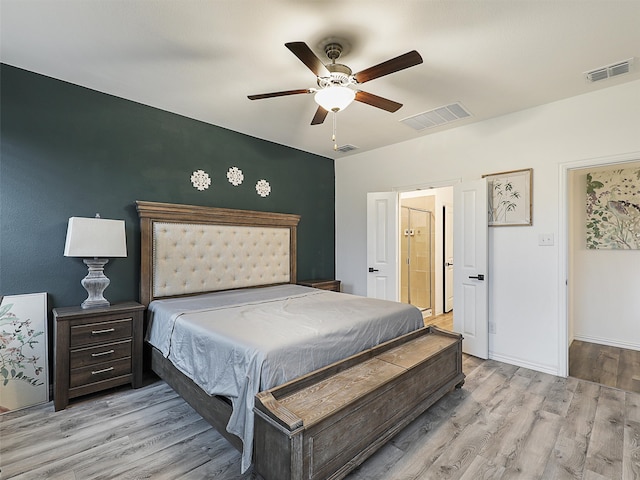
(346, 148)
(608, 71)
(437, 117)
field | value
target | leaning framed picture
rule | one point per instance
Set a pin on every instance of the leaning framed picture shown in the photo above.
(24, 379)
(510, 198)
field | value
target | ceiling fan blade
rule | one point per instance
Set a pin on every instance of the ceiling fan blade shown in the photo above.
(306, 56)
(376, 101)
(319, 117)
(279, 94)
(407, 60)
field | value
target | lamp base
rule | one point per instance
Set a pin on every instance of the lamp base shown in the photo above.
(95, 283)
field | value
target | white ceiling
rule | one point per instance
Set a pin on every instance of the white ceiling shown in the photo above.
(201, 59)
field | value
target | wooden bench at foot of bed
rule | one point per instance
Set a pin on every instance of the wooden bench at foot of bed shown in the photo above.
(324, 424)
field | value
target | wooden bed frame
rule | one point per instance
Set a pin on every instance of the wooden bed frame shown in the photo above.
(216, 410)
(275, 456)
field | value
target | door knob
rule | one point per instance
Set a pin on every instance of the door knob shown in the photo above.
(480, 276)
(371, 270)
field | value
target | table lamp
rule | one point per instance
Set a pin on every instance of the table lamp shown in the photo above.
(95, 239)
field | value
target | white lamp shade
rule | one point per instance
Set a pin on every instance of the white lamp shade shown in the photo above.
(95, 237)
(334, 99)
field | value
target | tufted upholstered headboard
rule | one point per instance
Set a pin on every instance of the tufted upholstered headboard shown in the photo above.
(188, 249)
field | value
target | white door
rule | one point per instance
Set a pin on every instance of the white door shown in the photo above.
(382, 245)
(448, 257)
(470, 250)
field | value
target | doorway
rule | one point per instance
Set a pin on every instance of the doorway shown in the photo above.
(471, 246)
(423, 252)
(601, 336)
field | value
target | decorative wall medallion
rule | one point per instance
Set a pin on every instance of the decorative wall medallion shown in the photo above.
(200, 180)
(235, 176)
(263, 188)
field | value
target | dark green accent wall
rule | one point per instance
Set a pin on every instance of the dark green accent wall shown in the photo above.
(70, 151)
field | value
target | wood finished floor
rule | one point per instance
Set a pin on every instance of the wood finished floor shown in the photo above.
(444, 321)
(505, 423)
(603, 364)
(611, 366)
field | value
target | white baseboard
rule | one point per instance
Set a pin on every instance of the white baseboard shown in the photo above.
(518, 362)
(607, 341)
(554, 370)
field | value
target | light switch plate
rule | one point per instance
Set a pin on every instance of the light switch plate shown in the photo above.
(545, 239)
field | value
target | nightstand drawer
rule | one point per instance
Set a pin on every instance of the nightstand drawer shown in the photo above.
(99, 372)
(101, 353)
(100, 332)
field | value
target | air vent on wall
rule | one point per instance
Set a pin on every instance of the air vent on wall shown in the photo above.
(608, 71)
(346, 148)
(436, 117)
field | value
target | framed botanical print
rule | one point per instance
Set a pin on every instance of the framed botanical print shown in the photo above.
(23, 351)
(510, 198)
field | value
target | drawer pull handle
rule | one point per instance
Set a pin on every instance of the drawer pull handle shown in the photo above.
(102, 353)
(98, 332)
(102, 371)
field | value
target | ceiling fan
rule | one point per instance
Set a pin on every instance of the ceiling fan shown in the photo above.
(337, 84)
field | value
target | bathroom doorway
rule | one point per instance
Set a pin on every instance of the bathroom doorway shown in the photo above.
(422, 270)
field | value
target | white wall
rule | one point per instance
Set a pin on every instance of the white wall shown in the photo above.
(604, 284)
(524, 277)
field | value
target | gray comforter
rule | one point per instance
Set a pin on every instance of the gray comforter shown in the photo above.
(240, 342)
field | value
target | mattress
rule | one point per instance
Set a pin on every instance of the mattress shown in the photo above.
(237, 343)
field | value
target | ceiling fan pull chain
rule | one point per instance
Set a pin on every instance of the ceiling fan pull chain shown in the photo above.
(335, 144)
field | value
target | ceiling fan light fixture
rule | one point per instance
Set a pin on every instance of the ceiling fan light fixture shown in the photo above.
(334, 98)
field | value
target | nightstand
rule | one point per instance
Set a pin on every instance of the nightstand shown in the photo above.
(333, 285)
(95, 349)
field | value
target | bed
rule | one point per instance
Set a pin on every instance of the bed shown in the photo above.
(226, 320)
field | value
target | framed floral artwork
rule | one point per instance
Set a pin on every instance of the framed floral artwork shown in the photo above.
(510, 198)
(24, 378)
(613, 209)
